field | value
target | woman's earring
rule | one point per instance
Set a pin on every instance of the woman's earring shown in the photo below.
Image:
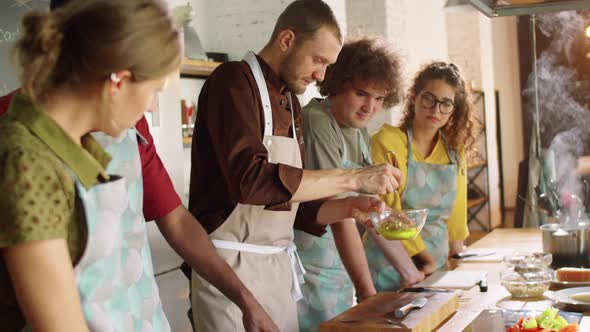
(115, 78)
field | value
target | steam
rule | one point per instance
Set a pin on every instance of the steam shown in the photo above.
(564, 123)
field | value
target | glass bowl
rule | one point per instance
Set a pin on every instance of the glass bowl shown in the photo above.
(527, 275)
(399, 225)
(520, 287)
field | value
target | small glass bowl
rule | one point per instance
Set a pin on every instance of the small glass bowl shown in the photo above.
(527, 275)
(520, 287)
(399, 225)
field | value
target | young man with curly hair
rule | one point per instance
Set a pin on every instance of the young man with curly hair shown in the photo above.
(364, 80)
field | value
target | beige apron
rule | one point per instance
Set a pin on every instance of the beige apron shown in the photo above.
(258, 245)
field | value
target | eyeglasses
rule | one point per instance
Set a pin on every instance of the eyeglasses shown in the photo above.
(428, 100)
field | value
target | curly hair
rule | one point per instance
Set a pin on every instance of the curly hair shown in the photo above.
(365, 60)
(461, 128)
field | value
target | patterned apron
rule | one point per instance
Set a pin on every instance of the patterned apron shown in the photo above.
(258, 245)
(431, 186)
(328, 290)
(115, 278)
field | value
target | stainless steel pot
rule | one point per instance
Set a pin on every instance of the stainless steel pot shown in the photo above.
(568, 243)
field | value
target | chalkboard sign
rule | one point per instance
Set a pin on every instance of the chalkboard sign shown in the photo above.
(11, 13)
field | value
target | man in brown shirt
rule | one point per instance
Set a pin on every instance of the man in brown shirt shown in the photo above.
(235, 188)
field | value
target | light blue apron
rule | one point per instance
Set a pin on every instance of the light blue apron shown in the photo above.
(328, 290)
(431, 186)
(115, 277)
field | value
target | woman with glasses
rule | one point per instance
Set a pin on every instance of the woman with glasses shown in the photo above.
(429, 146)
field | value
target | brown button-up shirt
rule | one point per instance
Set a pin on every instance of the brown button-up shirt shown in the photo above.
(229, 162)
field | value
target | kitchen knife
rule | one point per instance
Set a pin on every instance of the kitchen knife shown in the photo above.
(404, 310)
(427, 290)
(462, 255)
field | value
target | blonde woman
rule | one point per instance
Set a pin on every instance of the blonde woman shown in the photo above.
(73, 244)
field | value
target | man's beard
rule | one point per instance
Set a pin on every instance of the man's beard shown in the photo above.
(289, 74)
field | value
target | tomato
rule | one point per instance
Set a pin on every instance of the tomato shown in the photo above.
(573, 327)
(513, 328)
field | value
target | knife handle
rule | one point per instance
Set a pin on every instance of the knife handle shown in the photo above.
(403, 310)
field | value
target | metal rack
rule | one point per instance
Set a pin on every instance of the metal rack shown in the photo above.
(478, 210)
(494, 8)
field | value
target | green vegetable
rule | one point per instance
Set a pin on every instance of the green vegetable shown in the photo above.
(529, 323)
(550, 320)
(549, 313)
(562, 321)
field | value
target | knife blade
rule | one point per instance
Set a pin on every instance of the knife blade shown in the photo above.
(404, 310)
(462, 255)
(427, 290)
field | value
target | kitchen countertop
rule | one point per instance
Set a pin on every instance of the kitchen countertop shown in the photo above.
(472, 302)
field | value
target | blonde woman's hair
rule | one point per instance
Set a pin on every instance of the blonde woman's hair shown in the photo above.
(83, 42)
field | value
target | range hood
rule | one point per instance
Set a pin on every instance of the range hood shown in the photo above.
(493, 8)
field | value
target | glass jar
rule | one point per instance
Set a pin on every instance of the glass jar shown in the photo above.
(527, 275)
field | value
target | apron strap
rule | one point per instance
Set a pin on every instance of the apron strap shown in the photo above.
(364, 148)
(252, 61)
(297, 269)
(410, 153)
(292, 113)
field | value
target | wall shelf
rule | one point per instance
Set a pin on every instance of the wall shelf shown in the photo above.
(187, 141)
(476, 201)
(477, 164)
(198, 68)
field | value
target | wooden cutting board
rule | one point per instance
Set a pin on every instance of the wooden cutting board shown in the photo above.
(371, 314)
(452, 279)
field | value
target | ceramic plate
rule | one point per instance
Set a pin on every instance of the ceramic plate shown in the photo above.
(563, 297)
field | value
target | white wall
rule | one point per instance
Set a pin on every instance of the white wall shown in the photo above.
(236, 26)
(471, 48)
(507, 79)
(488, 86)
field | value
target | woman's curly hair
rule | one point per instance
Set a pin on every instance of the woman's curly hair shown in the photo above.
(365, 60)
(461, 128)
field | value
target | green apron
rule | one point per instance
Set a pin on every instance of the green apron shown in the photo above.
(328, 290)
(431, 186)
